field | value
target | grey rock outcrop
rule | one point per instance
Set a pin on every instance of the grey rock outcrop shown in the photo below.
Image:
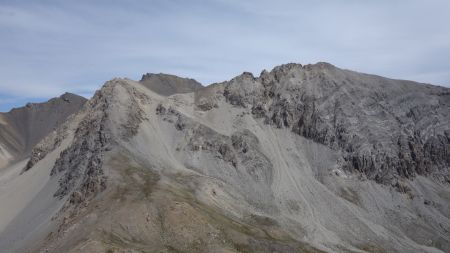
(98, 132)
(385, 129)
(235, 159)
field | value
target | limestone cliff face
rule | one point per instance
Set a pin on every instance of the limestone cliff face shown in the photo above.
(386, 129)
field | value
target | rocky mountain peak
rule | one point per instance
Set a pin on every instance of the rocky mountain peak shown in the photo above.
(166, 85)
(284, 68)
(24, 127)
(69, 97)
(112, 116)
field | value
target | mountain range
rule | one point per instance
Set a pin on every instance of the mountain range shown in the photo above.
(302, 158)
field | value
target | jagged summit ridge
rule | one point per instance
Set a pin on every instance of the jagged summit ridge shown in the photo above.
(285, 68)
(373, 121)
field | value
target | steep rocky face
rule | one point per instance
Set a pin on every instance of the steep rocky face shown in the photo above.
(167, 85)
(386, 129)
(106, 122)
(22, 128)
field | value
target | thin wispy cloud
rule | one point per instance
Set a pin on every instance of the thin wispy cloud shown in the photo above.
(49, 47)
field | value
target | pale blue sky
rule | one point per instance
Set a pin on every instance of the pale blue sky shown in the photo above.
(49, 47)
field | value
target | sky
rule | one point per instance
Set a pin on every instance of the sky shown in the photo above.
(49, 47)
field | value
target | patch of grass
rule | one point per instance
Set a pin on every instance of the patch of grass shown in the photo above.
(172, 249)
(242, 248)
(372, 248)
(256, 228)
(350, 195)
(445, 194)
(137, 181)
(274, 246)
(305, 248)
(116, 242)
(262, 220)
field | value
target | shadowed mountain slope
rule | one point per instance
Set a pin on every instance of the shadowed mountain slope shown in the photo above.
(22, 128)
(167, 85)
